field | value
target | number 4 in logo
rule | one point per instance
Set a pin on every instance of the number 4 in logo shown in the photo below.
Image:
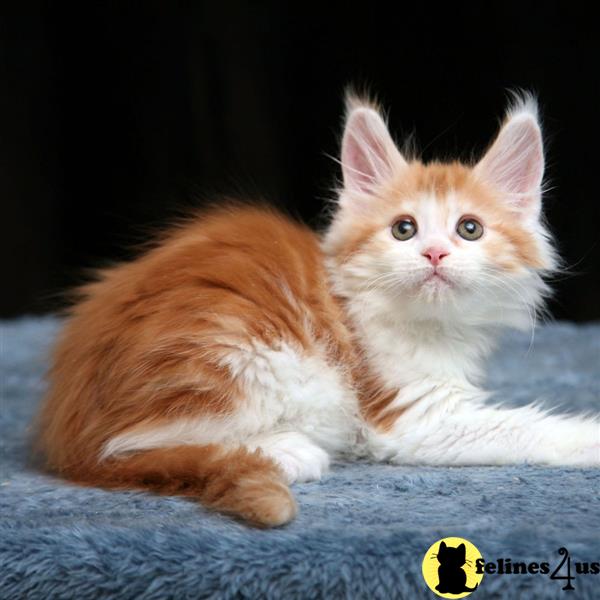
(566, 558)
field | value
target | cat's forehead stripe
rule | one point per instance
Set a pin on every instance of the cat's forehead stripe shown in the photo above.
(440, 178)
(441, 181)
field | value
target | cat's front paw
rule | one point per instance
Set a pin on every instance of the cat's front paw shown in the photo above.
(588, 456)
(578, 450)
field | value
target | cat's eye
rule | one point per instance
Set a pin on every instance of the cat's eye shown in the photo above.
(469, 229)
(404, 228)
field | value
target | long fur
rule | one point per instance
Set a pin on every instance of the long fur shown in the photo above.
(243, 351)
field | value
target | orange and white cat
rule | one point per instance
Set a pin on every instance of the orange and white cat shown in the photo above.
(243, 351)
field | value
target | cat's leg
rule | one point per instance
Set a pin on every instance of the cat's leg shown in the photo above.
(452, 430)
(297, 456)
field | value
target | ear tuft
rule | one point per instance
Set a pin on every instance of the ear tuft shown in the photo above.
(522, 102)
(369, 155)
(354, 99)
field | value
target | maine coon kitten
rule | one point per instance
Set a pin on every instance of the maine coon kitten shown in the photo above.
(243, 351)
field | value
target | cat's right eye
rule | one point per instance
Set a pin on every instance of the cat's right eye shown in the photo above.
(404, 228)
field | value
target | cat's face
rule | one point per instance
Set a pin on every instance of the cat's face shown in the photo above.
(441, 241)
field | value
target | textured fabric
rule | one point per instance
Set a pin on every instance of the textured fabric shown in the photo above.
(361, 533)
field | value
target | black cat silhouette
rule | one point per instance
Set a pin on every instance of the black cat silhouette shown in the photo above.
(452, 577)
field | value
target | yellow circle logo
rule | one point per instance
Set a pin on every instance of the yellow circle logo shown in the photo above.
(449, 568)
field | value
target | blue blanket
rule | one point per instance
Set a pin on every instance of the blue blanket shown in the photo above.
(362, 532)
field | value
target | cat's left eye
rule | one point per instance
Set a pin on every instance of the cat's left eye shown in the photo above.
(404, 228)
(469, 229)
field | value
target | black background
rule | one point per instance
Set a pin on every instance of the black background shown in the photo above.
(117, 115)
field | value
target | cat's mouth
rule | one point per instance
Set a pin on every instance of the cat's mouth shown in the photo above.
(438, 278)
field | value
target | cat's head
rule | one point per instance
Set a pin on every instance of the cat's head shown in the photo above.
(441, 241)
(452, 557)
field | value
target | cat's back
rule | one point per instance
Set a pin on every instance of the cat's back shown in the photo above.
(232, 259)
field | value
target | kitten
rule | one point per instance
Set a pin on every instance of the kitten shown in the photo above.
(243, 351)
(452, 577)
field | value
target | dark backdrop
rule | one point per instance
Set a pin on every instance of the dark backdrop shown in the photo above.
(115, 115)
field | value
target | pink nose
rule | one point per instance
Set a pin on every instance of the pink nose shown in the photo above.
(435, 255)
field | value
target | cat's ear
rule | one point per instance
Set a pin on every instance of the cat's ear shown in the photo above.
(442, 546)
(369, 155)
(514, 163)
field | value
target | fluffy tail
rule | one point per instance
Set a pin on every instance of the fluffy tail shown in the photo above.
(237, 482)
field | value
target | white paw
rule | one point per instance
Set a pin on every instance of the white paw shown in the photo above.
(302, 463)
(588, 456)
(300, 459)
